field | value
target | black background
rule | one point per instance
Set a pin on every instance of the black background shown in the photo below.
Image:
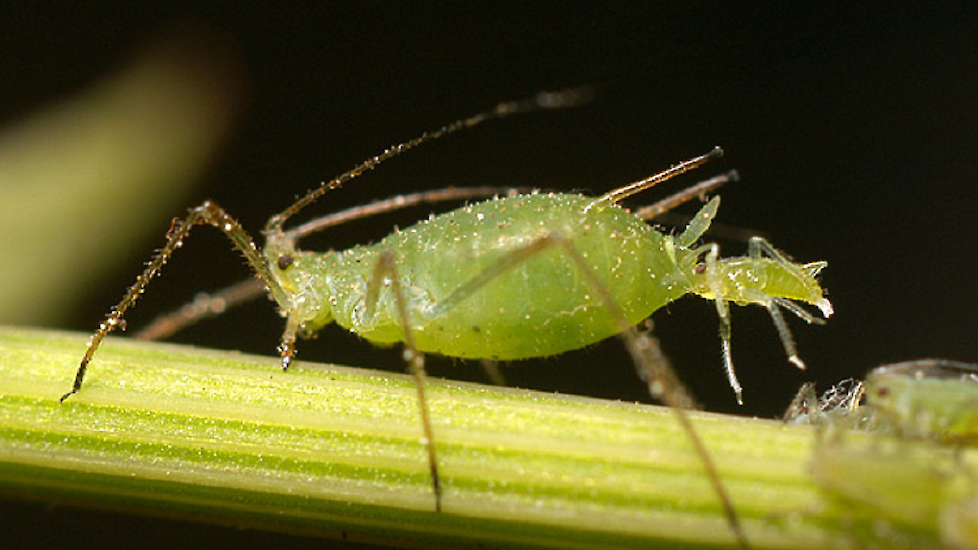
(852, 127)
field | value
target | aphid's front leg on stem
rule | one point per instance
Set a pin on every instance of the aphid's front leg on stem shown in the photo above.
(208, 213)
(286, 347)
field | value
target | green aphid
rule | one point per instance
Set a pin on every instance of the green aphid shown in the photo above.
(927, 398)
(510, 278)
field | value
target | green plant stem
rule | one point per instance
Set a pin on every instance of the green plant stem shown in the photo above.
(228, 438)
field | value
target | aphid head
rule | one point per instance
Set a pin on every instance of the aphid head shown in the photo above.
(301, 278)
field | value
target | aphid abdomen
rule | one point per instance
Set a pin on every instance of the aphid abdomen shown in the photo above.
(541, 306)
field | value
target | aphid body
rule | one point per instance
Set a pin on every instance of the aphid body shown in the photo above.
(927, 398)
(540, 306)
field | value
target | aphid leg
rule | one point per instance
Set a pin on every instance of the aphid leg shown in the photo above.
(207, 213)
(386, 269)
(757, 249)
(664, 385)
(712, 271)
(561, 99)
(399, 202)
(655, 369)
(652, 365)
(491, 368)
(699, 224)
(286, 347)
(205, 305)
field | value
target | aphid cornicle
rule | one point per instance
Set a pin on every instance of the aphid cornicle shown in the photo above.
(509, 278)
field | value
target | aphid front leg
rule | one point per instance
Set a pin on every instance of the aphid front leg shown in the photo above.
(207, 213)
(713, 278)
(387, 268)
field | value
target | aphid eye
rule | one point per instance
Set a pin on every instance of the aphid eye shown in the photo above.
(882, 392)
(285, 261)
(700, 269)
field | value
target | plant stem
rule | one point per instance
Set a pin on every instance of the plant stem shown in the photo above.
(228, 438)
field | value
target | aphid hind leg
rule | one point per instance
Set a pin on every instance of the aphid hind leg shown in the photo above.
(387, 267)
(652, 366)
(208, 213)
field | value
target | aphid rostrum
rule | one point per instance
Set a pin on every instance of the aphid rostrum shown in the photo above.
(508, 278)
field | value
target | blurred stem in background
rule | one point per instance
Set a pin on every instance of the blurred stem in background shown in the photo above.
(83, 180)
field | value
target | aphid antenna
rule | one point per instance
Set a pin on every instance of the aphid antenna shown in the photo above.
(698, 190)
(561, 99)
(399, 202)
(622, 193)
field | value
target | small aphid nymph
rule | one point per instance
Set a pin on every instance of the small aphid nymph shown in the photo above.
(927, 398)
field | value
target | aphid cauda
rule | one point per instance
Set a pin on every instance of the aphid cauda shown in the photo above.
(509, 278)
